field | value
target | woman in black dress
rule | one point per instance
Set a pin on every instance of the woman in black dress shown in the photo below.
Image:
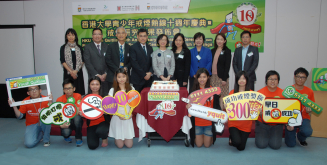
(182, 59)
(71, 58)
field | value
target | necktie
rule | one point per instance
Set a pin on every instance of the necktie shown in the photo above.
(144, 49)
(98, 46)
(121, 53)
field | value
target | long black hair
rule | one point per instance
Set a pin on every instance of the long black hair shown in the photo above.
(196, 85)
(222, 35)
(98, 79)
(174, 47)
(237, 77)
(71, 30)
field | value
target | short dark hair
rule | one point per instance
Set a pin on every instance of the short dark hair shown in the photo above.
(198, 35)
(246, 32)
(173, 45)
(71, 30)
(160, 37)
(68, 81)
(222, 35)
(301, 70)
(237, 77)
(97, 29)
(271, 73)
(142, 30)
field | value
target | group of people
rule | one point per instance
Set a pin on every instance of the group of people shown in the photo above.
(119, 66)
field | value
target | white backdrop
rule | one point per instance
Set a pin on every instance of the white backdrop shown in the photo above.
(295, 36)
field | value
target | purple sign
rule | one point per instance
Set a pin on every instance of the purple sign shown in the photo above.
(109, 105)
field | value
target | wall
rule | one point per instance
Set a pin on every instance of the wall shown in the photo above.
(294, 36)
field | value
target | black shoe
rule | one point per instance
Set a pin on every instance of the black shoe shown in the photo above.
(304, 143)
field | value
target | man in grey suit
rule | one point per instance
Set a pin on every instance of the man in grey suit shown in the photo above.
(118, 55)
(246, 58)
(141, 61)
(94, 57)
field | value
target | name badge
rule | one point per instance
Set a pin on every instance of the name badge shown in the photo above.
(104, 54)
(121, 64)
(222, 53)
(181, 56)
(250, 54)
(168, 56)
(198, 57)
(127, 54)
(73, 49)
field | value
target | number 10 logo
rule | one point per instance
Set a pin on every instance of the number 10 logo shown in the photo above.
(246, 14)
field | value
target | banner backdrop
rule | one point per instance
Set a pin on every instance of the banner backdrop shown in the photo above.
(171, 17)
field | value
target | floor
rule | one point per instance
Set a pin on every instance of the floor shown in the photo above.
(12, 152)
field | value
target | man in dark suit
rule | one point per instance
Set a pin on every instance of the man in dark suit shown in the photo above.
(141, 61)
(246, 58)
(94, 57)
(118, 55)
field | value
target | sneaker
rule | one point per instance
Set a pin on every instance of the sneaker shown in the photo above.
(79, 143)
(46, 144)
(304, 143)
(68, 140)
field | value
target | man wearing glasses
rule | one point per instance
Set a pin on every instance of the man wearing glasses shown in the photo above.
(246, 58)
(35, 129)
(77, 122)
(305, 130)
(94, 57)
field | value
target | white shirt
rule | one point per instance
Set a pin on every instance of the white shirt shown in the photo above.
(122, 47)
(96, 45)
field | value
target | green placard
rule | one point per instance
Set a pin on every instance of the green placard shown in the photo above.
(319, 79)
(290, 92)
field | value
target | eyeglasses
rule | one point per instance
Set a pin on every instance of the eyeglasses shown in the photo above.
(246, 37)
(270, 79)
(97, 34)
(67, 89)
(33, 90)
(300, 78)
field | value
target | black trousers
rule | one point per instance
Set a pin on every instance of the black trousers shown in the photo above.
(95, 132)
(147, 83)
(251, 84)
(238, 138)
(191, 81)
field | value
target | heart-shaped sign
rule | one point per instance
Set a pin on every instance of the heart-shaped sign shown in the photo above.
(133, 98)
(109, 105)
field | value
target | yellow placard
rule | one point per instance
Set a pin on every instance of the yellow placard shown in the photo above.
(244, 105)
(279, 111)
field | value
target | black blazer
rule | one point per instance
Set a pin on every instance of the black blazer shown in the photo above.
(182, 66)
(250, 63)
(140, 62)
(223, 64)
(112, 59)
(94, 62)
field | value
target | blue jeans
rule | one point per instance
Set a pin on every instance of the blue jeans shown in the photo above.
(203, 130)
(305, 131)
(35, 132)
(75, 124)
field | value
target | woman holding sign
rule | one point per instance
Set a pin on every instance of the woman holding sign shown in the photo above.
(122, 129)
(202, 131)
(97, 128)
(269, 134)
(163, 61)
(71, 58)
(239, 130)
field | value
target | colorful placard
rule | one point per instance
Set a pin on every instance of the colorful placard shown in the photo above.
(90, 106)
(200, 96)
(111, 104)
(58, 113)
(165, 107)
(27, 81)
(319, 79)
(279, 111)
(163, 96)
(290, 92)
(244, 105)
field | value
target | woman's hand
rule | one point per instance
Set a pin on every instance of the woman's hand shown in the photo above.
(65, 125)
(223, 83)
(188, 106)
(184, 83)
(73, 75)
